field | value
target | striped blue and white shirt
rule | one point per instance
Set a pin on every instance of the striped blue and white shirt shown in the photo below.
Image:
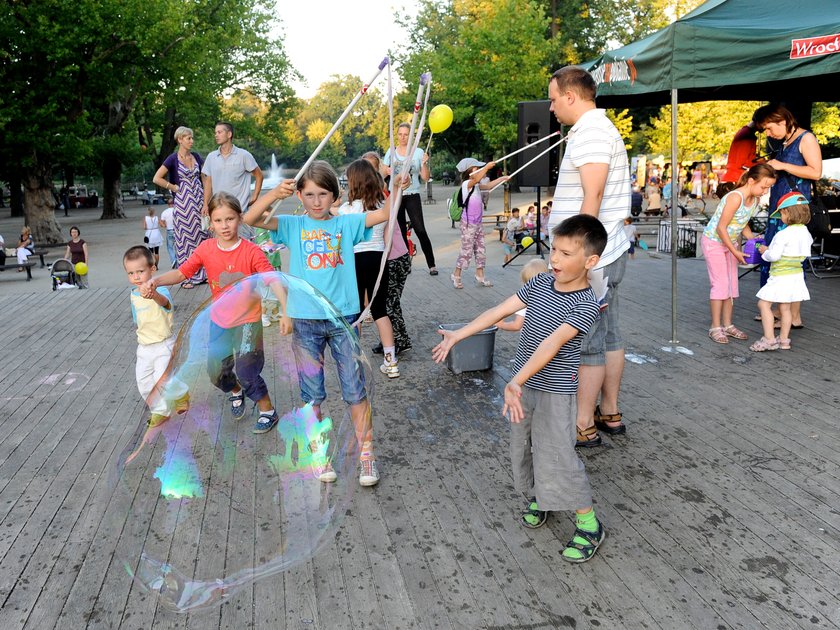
(593, 139)
(547, 310)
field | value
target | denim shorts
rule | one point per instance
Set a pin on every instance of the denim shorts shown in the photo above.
(605, 336)
(311, 337)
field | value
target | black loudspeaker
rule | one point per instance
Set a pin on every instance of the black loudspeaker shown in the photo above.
(536, 122)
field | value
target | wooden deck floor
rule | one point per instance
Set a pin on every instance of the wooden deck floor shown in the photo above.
(721, 502)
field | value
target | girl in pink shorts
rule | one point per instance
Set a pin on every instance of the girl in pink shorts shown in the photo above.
(721, 251)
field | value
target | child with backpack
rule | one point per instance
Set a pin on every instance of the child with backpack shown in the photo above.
(472, 233)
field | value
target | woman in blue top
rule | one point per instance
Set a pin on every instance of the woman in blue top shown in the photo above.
(799, 161)
(417, 169)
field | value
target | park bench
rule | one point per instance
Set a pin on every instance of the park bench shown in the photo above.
(44, 250)
(40, 253)
(27, 265)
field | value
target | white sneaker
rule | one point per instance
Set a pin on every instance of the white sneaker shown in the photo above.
(325, 473)
(369, 475)
(390, 367)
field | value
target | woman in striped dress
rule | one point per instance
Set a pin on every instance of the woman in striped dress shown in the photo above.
(180, 174)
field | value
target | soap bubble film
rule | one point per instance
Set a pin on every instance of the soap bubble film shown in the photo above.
(209, 506)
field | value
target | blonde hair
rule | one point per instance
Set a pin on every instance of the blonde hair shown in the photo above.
(532, 270)
(223, 199)
(181, 132)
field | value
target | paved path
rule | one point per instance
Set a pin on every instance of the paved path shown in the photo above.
(721, 501)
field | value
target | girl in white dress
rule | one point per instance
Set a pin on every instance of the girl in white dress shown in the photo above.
(153, 239)
(786, 284)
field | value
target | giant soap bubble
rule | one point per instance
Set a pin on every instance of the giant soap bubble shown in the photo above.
(209, 506)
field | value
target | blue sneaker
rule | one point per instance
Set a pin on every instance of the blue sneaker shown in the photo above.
(237, 404)
(266, 422)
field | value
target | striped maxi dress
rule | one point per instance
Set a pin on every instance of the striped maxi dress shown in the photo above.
(188, 203)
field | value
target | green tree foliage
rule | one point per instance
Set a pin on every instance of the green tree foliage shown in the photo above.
(704, 130)
(364, 128)
(335, 151)
(484, 57)
(825, 123)
(257, 124)
(75, 73)
(623, 121)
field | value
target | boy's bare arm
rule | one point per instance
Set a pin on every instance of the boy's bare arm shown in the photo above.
(485, 320)
(160, 298)
(511, 326)
(544, 353)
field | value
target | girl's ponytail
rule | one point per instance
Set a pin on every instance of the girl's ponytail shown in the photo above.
(756, 173)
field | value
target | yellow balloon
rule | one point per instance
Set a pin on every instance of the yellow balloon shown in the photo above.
(527, 241)
(440, 118)
(81, 268)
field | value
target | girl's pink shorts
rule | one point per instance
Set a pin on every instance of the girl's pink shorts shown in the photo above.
(723, 269)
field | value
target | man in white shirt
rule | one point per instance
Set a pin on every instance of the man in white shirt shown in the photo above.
(594, 179)
(229, 169)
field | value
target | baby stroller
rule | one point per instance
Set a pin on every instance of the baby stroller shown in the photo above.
(63, 275)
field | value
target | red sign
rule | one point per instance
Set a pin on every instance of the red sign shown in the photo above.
(814, 46)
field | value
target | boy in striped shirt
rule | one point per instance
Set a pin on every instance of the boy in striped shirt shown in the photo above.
(540, 398)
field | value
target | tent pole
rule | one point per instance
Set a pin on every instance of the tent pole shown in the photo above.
(675, 209)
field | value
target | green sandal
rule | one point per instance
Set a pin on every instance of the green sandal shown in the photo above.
(533, 517)
(593, 541)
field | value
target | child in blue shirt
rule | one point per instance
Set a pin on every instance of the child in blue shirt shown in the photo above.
(321, 253)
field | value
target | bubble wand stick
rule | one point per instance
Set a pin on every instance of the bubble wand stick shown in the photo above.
(396, 191)
(528, 163)
(362, 91)
(527, 146)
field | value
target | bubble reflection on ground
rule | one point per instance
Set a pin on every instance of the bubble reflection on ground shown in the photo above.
(206, 505)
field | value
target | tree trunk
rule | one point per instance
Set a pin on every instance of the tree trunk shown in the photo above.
(167, 142)
(112, 206)
(15, 195)
(39, 205)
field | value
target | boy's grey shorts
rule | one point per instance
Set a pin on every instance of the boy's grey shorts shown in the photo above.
(605, 336)
(542, 452)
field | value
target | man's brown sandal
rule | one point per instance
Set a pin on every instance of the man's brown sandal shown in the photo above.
(601, 420)
(585, 440)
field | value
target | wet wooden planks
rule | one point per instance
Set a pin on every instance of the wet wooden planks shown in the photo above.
(720, 501)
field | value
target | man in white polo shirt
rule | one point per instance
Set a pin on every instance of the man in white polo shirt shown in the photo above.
(594, 179)
(229, 169)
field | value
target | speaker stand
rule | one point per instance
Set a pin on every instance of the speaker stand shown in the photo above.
(538, 240)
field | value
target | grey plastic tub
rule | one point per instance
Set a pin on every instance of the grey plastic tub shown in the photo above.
(472, 354)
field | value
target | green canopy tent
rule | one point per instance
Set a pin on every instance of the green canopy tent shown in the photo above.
(726, 50)
(729, 50)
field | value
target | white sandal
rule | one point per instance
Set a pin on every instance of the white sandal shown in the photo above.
(456, 281)
(483, 282)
